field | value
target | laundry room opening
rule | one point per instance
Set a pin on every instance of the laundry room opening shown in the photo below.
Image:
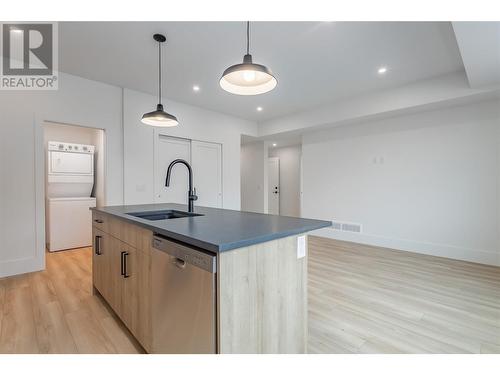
(74, 182)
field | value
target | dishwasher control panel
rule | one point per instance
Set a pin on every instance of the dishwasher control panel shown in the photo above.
(189, 255)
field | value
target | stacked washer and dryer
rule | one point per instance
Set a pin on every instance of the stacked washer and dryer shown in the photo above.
(69, 184)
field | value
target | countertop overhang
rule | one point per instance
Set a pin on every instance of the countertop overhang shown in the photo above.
(217, 230)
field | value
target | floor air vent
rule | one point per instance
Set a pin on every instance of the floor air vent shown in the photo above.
(336, 225)
(346, 227)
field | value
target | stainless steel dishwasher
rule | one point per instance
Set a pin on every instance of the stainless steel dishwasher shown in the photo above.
(184, 298)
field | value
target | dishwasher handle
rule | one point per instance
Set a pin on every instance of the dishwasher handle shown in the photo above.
(180, 263)
(185, 254)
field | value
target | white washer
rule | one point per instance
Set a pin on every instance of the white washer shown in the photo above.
(69, 223)
(70, 179)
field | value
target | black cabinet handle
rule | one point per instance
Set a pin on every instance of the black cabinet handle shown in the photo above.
(97, 245)
(121, 263)
(125, 273)
(124, 256)
(99, 221)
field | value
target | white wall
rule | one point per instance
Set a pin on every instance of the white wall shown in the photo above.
(253, 175)
(96, 105)
(195, 123)
(78, 102)
(426, 182)
(289, 179)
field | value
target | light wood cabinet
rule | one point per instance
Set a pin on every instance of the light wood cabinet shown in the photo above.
(122, 274)
(101, 266)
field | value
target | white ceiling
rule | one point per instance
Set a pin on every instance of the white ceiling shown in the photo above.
(479, 44)
(314, 62)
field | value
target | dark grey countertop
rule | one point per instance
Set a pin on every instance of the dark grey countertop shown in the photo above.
(219, 229)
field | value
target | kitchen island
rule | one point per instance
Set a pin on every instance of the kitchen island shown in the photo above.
(211, 281)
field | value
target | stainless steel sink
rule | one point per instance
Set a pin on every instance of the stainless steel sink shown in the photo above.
(162, 215)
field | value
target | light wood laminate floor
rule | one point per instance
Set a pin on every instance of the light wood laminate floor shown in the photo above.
(53, 311)
(362, 299)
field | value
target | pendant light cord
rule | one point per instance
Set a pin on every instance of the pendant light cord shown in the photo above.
(248, 37)
(159, 73)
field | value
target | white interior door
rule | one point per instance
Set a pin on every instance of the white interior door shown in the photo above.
(206, 161)
(167, 150)
(274, 186)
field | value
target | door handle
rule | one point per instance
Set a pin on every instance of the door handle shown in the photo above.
(124, 256)
(99, 221)
(97, 245)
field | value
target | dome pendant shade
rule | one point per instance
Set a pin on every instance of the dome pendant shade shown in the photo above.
(248, 78)
(159, 118)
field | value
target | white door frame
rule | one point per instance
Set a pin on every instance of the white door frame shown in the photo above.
(38, 260)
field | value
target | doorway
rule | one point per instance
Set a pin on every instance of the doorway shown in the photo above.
(74, 182)
(288, 194)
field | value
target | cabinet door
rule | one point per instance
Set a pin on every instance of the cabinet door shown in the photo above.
(136, 289)
(129, 299)
(100, 262)
(143, 323)
(115, 279)
(122, 274)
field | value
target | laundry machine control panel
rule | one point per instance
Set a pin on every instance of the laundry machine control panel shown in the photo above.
(71, 147)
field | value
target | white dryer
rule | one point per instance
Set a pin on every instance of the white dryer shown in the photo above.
(70, 179)
(70, 170)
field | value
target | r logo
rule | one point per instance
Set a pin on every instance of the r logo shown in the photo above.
(27, 49)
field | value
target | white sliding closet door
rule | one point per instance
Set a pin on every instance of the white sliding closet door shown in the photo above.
(206, 160)
(167, 150)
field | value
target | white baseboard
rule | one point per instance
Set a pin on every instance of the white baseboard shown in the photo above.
(440, 250)
(19, 266)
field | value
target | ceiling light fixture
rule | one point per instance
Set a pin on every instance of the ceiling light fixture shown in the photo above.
(248, 78)
(259, 109)
(159, 117)
(382, 70)
(196, 88)
(274, 145)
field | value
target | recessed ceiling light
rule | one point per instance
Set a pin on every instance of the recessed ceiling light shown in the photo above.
(196, 88)
(274, 144)
(382, 70)
(259, 109)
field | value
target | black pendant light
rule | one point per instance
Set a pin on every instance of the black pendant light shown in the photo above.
(248, 78)
(159, 117)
